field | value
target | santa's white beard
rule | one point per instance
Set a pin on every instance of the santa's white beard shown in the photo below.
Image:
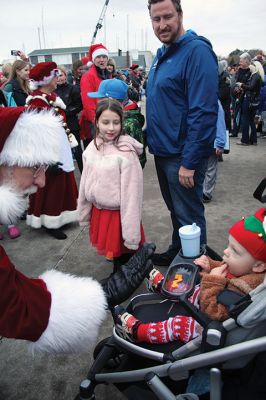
(13, 203)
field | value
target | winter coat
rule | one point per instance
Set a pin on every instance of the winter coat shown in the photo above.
(220, 139)
(182, 94)
(252, 86)
(35, 309)
(90, 82)
(70, 94)
(212, 285)
(18, 93)
(133, 123)
(262, 106)
(224, 87)
(241, 76)
(112, 179)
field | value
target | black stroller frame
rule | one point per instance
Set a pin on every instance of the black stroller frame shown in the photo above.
(223, 345)
(180, 362)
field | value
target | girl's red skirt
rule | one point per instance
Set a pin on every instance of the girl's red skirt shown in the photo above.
(106, 233)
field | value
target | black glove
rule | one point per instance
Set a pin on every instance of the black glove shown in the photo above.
(121, 285)
(55, 169)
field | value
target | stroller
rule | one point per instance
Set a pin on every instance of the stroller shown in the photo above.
(227, 361)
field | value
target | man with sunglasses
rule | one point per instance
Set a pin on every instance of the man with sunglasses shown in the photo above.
(56, 312)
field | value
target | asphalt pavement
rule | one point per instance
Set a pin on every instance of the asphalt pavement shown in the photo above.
(47, 377)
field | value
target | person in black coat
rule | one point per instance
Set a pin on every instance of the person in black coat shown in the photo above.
(242, 76)
(251, 91)
(70, 94)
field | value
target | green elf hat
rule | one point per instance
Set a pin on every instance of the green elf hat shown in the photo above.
(250, 232)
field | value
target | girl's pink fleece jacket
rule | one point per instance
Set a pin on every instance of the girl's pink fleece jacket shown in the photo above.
(112, 179)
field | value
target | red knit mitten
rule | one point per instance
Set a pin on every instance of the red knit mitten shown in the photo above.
(178, 328)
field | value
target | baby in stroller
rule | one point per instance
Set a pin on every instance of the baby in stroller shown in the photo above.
(242, 270)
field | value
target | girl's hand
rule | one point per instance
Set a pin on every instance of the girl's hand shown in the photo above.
(220, 271)
(203, 262)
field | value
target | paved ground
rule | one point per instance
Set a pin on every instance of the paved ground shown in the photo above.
(23, 377)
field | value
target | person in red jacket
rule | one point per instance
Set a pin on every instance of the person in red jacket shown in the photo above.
(56, 312)
(90, 81)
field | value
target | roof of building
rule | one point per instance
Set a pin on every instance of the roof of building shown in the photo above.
(61, 50)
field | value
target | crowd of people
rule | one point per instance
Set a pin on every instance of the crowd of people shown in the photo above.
(47, 85)
(92, 115)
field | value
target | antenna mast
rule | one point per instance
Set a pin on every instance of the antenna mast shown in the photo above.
(100, 21)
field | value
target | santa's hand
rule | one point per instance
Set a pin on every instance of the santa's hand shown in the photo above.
(203, 262)
(220, 271)
(122, 284)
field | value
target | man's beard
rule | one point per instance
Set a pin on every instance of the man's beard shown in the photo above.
(13, 202)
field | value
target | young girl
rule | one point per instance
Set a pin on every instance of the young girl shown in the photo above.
(111, 187)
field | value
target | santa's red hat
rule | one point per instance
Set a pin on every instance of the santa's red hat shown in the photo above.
(97, 50)
(29, 138)
(42, 74)
(250, 232)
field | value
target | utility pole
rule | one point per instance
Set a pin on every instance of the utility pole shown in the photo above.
(39, 36)
(99, 24)
(44, 44)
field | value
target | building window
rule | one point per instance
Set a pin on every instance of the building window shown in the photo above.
(62, 59)
(48, 57)
(75, 57)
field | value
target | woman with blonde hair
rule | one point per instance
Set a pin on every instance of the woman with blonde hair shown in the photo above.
(18, 82)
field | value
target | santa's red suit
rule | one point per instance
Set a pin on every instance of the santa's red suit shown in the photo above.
(54, 205)
(57, 312)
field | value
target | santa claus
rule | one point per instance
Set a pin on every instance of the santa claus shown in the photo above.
(57, 312)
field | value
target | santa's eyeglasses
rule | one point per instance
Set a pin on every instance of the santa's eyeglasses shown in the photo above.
(39, 170)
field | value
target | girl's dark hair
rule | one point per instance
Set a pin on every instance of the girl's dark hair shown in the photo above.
(176, 3)
(112, 105)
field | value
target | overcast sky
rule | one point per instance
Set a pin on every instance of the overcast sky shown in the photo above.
(229, 24)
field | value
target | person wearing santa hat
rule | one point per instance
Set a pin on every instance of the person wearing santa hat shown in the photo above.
(55, 205)
(90, 82)
(135, 77)
(242, 270)
(56, 312)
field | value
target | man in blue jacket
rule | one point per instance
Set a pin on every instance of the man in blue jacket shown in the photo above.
(182, 106)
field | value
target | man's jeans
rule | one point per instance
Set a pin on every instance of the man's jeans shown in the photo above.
(185, 205)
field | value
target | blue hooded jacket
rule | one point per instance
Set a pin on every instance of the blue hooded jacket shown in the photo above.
(182, 100)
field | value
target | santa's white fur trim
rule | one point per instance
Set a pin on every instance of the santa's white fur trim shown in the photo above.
(89, 64)
(78, 309)
(59, 103)
(264, 224)
(45, 81)
(52, 221)
(34, 140)
(99, 52)
(12, 205)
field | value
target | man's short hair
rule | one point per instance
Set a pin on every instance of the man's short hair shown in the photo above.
(176, 3)
(246, 55)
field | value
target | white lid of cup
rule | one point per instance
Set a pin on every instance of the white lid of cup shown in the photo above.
(190, 230)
